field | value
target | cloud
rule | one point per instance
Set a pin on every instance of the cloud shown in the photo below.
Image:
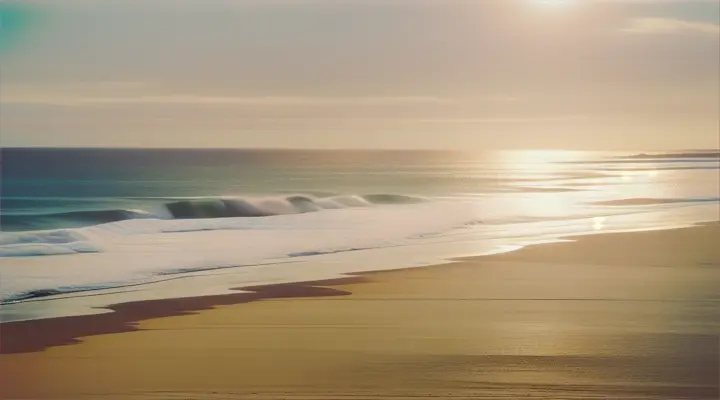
(670, 26)
(109, 93)
(190, 99)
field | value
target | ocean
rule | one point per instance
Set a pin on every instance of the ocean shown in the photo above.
(148, 223)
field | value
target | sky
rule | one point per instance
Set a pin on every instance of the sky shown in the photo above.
(445, 74)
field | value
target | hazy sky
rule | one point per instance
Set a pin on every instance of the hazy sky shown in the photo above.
(578, 74)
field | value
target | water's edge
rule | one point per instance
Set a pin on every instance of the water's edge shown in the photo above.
(90, 303)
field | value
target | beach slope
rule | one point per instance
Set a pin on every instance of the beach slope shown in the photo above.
(615, 316)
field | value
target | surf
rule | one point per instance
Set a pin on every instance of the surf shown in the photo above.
(136, 250)
(203, 208)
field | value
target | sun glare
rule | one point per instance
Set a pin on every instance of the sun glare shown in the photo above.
(552, 3)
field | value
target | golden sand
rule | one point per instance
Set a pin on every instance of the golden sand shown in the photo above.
(625, 316)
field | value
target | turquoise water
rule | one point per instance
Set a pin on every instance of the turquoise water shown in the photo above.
(75, 220)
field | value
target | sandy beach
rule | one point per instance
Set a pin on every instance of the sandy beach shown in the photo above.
(360, 199)
(615, 316)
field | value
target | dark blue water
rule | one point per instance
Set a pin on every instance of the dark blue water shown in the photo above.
(44, 188)
(49, 188)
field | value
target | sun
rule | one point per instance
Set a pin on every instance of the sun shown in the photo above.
(553, 3)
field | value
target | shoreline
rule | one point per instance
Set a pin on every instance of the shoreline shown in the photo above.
(95, 299)
(624, 316)
(34, 335)
(39, 334)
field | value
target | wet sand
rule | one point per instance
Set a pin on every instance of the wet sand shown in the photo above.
(647, 201)
(616, 316)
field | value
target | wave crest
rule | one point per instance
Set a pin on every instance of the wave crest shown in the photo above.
(211, 207)
(45, 243)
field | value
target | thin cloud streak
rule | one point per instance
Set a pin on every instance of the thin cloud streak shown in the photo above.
(182, 99)
(669, 26)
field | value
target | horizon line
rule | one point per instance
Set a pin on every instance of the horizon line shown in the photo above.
(94, 147)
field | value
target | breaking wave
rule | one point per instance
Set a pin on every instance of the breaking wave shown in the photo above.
(201, 208)
(193, 236)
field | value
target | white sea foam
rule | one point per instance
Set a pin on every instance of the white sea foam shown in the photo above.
(142, 249)
(147, 250)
